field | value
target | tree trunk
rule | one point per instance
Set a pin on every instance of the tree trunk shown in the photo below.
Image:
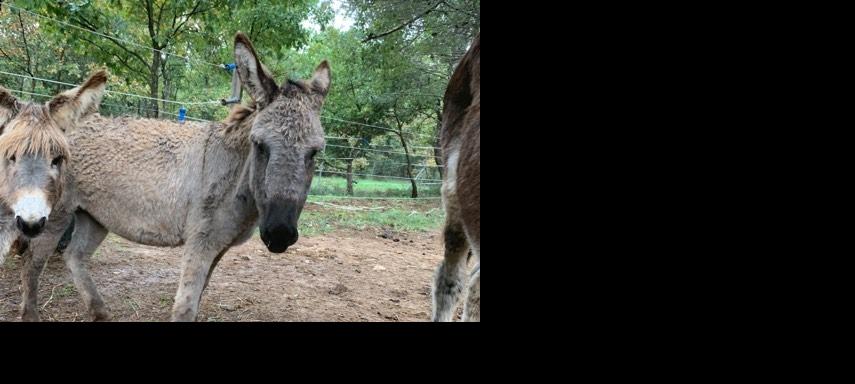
(27, 51)
(61, 64)
(350, 177)
(415, 190)
(154, 82)
(437, 151)
(167, 86)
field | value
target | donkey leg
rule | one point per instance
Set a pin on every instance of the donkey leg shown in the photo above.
(36, 256)
(8, 234)
(451, 274)
(211, 269)
(198, 264)
(34, 264)
(472, 310)
(88, 235)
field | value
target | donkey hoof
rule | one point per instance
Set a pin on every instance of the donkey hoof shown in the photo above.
(101, 316)
(30, 317)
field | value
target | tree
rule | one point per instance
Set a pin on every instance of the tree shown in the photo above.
(154, 42)
(26, 49)
(428, 38)
(349, 107)
(390, 69)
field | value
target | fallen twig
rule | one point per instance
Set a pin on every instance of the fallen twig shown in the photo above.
(134, 305)
(50, 298)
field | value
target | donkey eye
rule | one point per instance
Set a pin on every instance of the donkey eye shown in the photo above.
(12, 159)
(56, 161)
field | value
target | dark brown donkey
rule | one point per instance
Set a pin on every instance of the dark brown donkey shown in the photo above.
(461, 190)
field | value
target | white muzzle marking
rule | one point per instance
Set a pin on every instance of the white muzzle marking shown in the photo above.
(31, 206)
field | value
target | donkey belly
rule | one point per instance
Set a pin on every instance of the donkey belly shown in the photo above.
(139, 228)
(146, 210)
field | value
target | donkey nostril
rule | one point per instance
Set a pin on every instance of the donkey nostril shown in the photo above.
(30, 229)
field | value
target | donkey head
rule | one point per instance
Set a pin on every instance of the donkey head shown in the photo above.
(286, 136)
(34, 150)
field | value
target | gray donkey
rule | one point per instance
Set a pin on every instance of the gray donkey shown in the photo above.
(8, 232)
(461, 190)
(204, 187)
(34, 153)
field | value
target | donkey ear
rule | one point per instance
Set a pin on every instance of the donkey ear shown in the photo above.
(8, 107)
(69, 107)
(254, 77)
(321, 79)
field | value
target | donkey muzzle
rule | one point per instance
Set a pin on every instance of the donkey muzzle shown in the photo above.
(279, 227)
(30, 229)
(31, 211)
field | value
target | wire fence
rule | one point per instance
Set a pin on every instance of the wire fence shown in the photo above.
(395, 170)
(395, 187)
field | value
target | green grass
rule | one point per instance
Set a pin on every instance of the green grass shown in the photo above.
(405, 216)
(363, 187)
(66, 290)
(166, 301)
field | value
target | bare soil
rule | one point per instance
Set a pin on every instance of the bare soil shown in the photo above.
(346, 275)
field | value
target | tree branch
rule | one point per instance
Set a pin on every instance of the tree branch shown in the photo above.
(26, 45)
(463, 11)
(149, 12)
(178, 30)
(402, 26)
(122, 61)
(160, 16)
(86, 24)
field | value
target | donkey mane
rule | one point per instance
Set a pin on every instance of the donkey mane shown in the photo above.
(30, 135)
(237, 126)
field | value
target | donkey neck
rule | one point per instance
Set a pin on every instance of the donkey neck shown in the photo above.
(230, 139)
(226, 152)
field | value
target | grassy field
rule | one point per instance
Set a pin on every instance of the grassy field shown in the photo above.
(324, 215)
(363, 187)
(329, 208)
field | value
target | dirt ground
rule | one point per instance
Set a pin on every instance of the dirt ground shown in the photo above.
(346, 275)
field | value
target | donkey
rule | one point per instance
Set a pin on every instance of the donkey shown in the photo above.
(461, 190)
(34, 153)
(203, 187)
(11, 241)
(8, 232)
